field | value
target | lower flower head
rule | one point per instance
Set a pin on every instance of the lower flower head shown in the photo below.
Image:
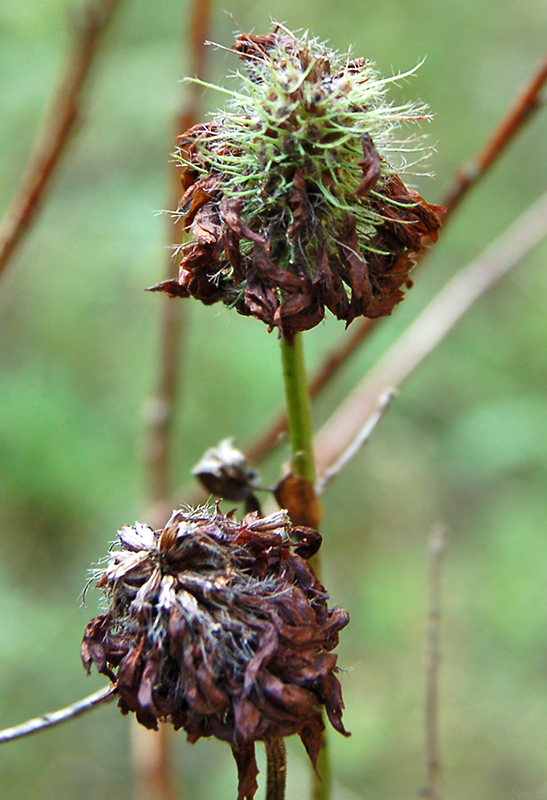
(222, 629)
(292, 194)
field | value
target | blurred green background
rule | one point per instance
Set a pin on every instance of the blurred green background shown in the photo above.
(465, 443)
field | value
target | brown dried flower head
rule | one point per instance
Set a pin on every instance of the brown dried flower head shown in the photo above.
(292, 191)
(221, 628)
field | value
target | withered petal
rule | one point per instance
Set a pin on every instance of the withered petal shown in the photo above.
(299, 312)
(311, 735)
(223, 630)
(267, 646)
(247, 771)
(370, 164)
(247, 719)
(171, 287)
(332, 697)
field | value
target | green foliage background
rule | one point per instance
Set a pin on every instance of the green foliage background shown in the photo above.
(466, 442)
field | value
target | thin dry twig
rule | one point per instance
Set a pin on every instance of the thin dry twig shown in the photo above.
(432, 658)
(428, 329)
(163, 405)
(153, 768)
(57, 717)
(520, 113)
(361, 438)
(63, 115)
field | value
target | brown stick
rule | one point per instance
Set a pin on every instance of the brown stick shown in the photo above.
(153, 768)
(63, 115)
(428, 329)
(436, 552)
(57, 717)
(518, 115)
(153, 777)
(161, 420)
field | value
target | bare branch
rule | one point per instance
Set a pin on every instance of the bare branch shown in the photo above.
(63, 115)
(153, 764)
(361, 438)
(428, 329)
(163, 405)
(519, 114)
(436, 552)
(57, 717)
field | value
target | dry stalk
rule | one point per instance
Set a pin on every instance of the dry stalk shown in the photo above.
(520, 113)
(39, 724)
(152, 759)
(436, 552)
(64, 113)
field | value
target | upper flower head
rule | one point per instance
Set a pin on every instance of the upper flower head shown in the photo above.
(292, 194)
(220, 628)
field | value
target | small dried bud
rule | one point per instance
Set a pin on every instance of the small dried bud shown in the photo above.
(222, 629)
(292, 193)
(224, 472)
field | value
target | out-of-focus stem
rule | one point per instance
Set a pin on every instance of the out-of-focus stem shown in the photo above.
(321, 787)
(433, 768)
(153, 768)
(64, 114)
(520, 113)
(153, 778)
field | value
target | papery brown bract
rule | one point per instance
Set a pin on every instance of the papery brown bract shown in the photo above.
(220, 628)
(292, 201)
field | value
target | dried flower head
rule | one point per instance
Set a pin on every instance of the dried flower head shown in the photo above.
(292, 194)
(220, 628)
(223, 471)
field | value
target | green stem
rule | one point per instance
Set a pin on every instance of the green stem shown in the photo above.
(321, 786)
(303, 466)
(298, 407)
(276, 778)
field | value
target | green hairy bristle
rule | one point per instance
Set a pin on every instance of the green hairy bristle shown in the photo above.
(289, 117)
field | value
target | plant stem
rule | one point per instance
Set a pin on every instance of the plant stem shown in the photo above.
(321, 786)
(303, 466)
(276, 756)
(298, 408)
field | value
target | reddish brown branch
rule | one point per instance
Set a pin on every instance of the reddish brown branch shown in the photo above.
(154, 776)
(427, 330)
(63, 115)
(518, 115)
(164, 403)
